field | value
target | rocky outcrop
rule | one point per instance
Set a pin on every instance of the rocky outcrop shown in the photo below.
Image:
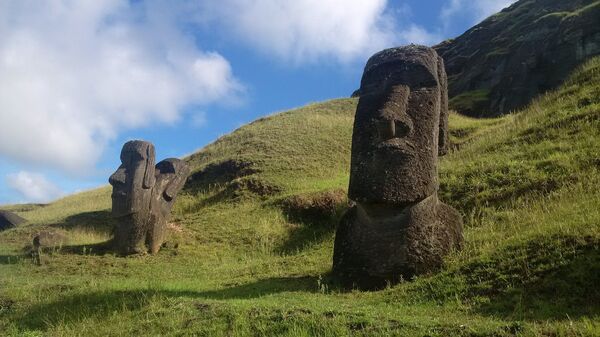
(526, 49)
(49, 239)
(9, 220)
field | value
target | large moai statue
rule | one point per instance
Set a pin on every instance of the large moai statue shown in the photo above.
(398, 227)
(142, 197)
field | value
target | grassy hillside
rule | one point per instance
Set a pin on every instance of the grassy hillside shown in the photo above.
(250, 246)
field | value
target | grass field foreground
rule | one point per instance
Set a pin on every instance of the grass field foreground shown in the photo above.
(250, 246)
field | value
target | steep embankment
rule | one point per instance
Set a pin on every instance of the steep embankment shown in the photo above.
(501, 64)
(250, 250)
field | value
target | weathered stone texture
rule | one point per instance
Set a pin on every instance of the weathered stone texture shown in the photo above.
(49, 239)
(143, 194)
(398, 227)
(9, 220)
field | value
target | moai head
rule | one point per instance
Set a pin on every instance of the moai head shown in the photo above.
(133, 181)
(400, 127)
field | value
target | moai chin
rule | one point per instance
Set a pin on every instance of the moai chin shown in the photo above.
(142, 197)
(398, 227)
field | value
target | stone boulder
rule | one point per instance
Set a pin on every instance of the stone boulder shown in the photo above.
(9, 220)
(49, 239)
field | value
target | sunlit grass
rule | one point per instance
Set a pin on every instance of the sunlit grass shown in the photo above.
(238, 265)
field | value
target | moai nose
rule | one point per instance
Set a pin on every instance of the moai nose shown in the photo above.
(402, 129)
(118, 178)
(389, 129)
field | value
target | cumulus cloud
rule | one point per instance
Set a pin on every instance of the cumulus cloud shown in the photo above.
(75, 73)
(33, 187)
(306, 30)
(419, 35)
(199, 119)
(476, 10)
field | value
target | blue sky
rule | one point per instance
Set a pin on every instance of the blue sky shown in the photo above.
(79, 78)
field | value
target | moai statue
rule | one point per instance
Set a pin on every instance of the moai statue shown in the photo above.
(398, 227)
(171, 175)
(142, 197)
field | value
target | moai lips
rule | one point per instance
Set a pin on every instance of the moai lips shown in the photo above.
(398, 227)
(142, 197)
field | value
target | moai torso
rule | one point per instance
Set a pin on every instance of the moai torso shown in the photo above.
(398, 228)
(142, 197)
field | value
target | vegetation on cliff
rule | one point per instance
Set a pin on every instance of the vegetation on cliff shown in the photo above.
(501, 64)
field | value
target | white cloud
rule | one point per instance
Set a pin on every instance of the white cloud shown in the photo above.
(199, 119)
(476, 10)
(419, 35)
(306, 30)
(75, 73)
(33, 187)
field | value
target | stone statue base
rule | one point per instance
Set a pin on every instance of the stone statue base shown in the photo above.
(380, 244)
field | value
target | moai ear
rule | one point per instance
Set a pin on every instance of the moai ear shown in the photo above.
(443, 133)
(181, 174)
(149, 177)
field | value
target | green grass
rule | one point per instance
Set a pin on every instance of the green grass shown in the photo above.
(565, 15)
(593, 6)
(526, 184)
(471, 102)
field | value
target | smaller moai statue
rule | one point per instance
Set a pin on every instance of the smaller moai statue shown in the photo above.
(142, 197)
(398, 227)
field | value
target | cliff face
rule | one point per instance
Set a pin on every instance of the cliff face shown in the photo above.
(526, 49)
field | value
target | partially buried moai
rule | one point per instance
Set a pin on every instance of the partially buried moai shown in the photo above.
(142, 197)
(398, 227)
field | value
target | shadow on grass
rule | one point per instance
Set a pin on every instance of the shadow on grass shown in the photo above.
(316, 216)
(563, 292)
(13, 259)
(304, 235)
(97, 305)
(263, 287)
(70, 309)
(100, 248)
(543, 278)
(97, 221)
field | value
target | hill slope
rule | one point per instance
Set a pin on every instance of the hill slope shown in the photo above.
(248, 257)
(529, 48)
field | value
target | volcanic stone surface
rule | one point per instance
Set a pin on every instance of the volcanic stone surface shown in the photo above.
(398, 227)
(49, 239)
(142, 197)
(9, 220)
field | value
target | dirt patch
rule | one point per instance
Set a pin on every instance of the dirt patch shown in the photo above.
(9, 220)
(315, 207)
(50, 239)
(175, 227)
(240, 187)
(6, 305)
(221, 173)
